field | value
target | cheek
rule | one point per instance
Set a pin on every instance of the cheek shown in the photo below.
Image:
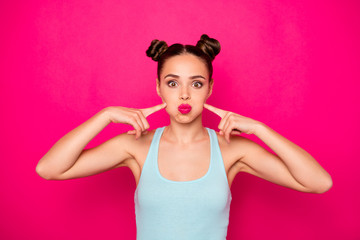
(168, 95)
(198, 103)
(168, 98)
(200, 96)
(171, 102)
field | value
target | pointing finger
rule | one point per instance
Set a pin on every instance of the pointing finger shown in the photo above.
(221, 113)
(224, 121)
(151, 110)
(134, 132)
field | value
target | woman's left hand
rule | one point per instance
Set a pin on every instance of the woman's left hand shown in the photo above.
(232, 123)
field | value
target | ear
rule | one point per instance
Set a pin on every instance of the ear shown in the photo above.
(211, 88)
(158, 87)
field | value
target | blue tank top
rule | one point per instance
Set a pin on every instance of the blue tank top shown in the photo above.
(186, 210)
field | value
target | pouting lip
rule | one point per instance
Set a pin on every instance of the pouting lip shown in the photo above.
(184, 106)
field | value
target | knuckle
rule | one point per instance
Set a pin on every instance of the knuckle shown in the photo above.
(138, 112)
(141, 113)
(135, 114)
(132, 119)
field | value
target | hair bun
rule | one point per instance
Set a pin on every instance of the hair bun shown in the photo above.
(156, 49)
(209, 46)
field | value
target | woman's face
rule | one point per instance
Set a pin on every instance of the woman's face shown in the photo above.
(184, 79)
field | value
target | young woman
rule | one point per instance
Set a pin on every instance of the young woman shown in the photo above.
(183, 171)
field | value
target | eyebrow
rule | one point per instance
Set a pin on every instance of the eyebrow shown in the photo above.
(176, 76)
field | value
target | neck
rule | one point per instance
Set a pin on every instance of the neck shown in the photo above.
(185, 133)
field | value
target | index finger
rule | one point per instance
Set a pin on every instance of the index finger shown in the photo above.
(221, 113)
(151, 110)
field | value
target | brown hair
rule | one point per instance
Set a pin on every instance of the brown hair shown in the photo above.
(206, 49)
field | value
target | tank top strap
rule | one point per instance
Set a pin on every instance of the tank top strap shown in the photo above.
(149, 169)
(156, 139)
(218, 161)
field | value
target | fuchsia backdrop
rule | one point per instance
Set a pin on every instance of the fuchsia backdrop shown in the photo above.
(293, 65)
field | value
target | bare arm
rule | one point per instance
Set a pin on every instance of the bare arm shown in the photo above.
(292, 166)
(67, 158)
(63, 155)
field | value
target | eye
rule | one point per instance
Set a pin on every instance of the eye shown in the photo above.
(171, 83)
(198, 84)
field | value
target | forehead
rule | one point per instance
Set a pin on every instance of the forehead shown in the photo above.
(185, 65)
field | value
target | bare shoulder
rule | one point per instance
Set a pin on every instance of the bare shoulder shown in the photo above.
(237, 146)
(132, 141)
(235, 151)
(136, 148)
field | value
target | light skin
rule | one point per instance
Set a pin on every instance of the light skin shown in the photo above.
(291, 166)
(185, 79)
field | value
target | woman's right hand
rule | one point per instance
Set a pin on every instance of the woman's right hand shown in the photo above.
(133, 116)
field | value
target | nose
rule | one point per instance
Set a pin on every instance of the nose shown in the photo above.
(184, 94)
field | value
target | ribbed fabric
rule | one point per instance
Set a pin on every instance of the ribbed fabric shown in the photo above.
(182, 210)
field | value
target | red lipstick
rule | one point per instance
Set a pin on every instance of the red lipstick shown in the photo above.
(184, 108)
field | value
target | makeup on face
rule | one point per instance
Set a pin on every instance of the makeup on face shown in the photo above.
(184, 76)
(184, 108)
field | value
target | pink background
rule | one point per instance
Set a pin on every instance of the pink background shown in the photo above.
(293, 65)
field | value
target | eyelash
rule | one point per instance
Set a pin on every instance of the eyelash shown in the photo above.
(200, 84)
(169, 83)
(195, 82)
